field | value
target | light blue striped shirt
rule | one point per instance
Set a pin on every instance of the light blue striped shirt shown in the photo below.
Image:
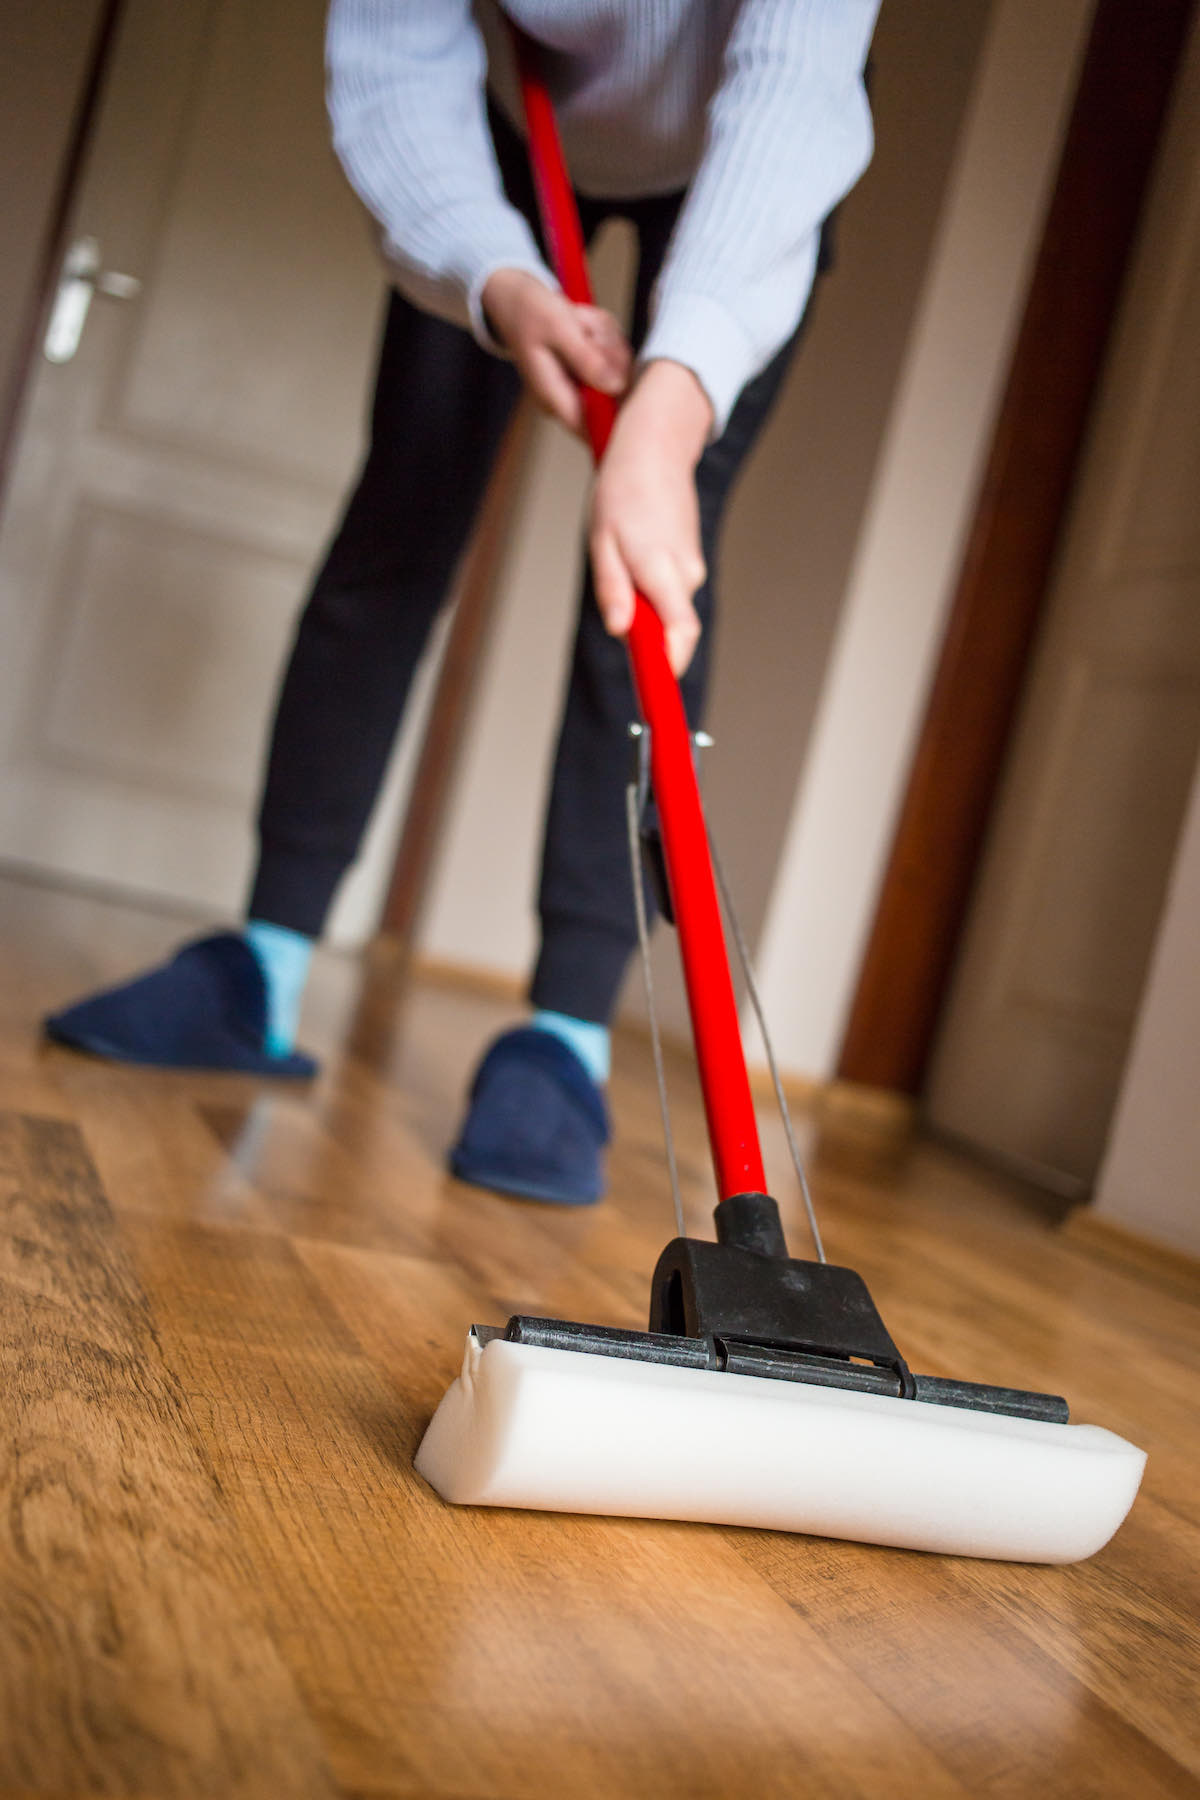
(756, 106)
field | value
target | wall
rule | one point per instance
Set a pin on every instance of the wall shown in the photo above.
(790, 541)
(910, 545)
(1150, 1179)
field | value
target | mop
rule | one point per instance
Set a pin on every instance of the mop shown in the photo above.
(767, 1390)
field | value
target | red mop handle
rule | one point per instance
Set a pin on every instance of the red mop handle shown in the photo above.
(732, 1129)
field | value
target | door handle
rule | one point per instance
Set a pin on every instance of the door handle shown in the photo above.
(82, 277)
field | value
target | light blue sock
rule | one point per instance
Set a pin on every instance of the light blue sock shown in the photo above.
(283, 956)
(591, 1043)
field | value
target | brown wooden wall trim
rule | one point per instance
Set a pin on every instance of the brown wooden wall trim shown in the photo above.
(54, 242)
(1129, 66)
(456, 681)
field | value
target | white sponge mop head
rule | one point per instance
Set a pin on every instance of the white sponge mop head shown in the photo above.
(563, 1431)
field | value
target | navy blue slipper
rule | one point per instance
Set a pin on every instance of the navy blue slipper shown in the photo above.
(205, 1009)
(536, 1124)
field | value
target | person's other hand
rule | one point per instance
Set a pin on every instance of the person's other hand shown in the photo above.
(555, 344)
(644, 531)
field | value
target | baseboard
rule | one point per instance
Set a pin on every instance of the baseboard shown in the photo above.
(879, 1116)
(1118, 1244)
(876, 1118)
(469, 978)
(803, 1091)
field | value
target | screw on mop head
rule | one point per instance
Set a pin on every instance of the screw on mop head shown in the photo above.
(767, 1390)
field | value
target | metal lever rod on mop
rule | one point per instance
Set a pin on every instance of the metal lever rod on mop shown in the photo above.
(732, 1129)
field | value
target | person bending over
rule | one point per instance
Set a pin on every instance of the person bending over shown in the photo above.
(725, 132)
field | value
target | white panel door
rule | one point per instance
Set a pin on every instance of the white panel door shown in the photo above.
(1071, 891)
(179, 472)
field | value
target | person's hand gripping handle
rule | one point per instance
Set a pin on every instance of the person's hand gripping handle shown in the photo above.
(644, 526)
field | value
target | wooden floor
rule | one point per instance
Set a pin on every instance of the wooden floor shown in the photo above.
(227, 1309)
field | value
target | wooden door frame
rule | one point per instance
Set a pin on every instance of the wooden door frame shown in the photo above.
(55, 233)
(1131, 61)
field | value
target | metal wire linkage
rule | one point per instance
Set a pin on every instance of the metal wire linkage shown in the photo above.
(756, 1003)
(633, 804)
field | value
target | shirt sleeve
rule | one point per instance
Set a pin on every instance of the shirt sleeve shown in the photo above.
(789, 133)
(406, 101)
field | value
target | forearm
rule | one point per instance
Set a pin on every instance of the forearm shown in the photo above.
(644, 531)
(789, 132)
(668, 409)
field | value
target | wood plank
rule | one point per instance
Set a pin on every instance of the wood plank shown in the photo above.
(943, 1638)
(131, 1659)
(225, 1361)
(448, 1650)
